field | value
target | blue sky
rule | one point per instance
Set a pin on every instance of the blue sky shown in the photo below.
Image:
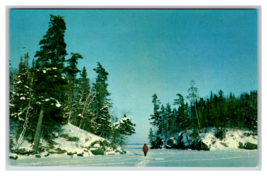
(151, 51)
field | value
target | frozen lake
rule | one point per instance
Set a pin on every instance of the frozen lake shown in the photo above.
(154, 158)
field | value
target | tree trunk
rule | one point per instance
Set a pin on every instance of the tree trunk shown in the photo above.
(197, 117)
(38, 130)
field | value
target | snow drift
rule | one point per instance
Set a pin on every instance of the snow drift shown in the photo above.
(71, 141)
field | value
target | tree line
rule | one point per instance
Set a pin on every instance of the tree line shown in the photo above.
(53, 92)
(218, 111)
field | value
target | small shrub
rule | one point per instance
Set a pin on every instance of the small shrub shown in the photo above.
(241, 145)
(71, 153)
(98, 152)
(123, 151)
(74, 139)
(224, 144)
(21, 151)
(220, 134)
(38, 156)
(202, 146)
(64, 136)
(46, 155)
(170, 142)
(13, 157)
(50, 146)
(246, 134)
(87, 139)
(60, 151)
(251, 146)
(102, 144)
(80, 154)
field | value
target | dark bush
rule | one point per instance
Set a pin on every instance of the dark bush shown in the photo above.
(60, 151)
(74, 139)
(202, 146)
(13, 157)
(98, 152)
(71, 153)
(241, 145)
(80, 154)
(63, 136)
(246, 134)
(157, 143)
(251, 146)
(220, 134)
(38, 156)
(170, 142)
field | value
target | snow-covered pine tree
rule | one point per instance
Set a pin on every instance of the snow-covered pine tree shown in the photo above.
(20, 102)
(50, 80)
(121, 130)
(161, 120)
(101, 102)
(72, 71)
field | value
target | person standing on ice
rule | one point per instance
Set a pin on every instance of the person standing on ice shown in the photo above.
(145, 149)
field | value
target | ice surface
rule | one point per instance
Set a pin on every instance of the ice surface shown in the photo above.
(155, 158)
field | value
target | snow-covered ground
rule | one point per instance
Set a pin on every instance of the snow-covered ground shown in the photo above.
(154, 158)
(232, 139)
(85, 139)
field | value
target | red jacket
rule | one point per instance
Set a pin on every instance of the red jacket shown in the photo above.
(145, 148)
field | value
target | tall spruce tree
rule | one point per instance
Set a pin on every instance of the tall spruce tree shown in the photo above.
(50, 83)
(155, 116)
(193, 96)
(72, 71)
(102, 103)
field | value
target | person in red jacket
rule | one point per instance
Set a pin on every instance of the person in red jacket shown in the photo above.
(145, 149)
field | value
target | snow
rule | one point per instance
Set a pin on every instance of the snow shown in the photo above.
(155, 158)
(232, 139)
(22, 98)
(44, 71)
(85, 139)
(58, 104)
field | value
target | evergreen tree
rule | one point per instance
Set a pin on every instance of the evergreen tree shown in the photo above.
(122, 129)
(50, 83)
(151, 136)
(102, 103)
(155, 116)
(20, 102)
(161, 125)
(193, 98)
(84, 116)
(72, 71)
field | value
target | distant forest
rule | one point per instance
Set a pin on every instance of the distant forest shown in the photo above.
(218, 111)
